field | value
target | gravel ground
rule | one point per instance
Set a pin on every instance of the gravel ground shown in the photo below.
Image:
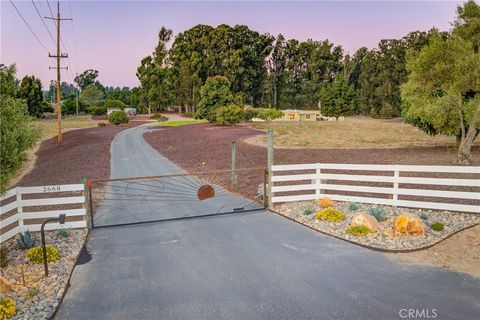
(84, 152)
(383, 238)
(41, 295)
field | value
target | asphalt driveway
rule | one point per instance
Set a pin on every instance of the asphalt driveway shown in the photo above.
(253, 265)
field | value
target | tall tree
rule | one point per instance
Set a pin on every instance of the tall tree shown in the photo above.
(86, 78)
(91, 94)
(8, 80)
(467, 23)
(339, 98)
(443, 89)
(31, 91)
(215, 94)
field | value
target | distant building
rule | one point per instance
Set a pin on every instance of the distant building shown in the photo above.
(128, 111)
(110, 110)
(300, 115)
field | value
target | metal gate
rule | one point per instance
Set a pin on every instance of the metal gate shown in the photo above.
(135, 200)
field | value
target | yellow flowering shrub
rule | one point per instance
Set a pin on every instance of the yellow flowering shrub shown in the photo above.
(325, 203)
(7, 308)
(331, 215)
(35, 254)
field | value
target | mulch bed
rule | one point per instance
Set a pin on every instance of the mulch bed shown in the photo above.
(84, 152)
(204, 147)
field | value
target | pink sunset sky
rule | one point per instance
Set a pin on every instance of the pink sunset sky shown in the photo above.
(113, 37)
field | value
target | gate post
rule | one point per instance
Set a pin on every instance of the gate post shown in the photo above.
(234, 177)
(21, 225)
(270, 160)
(88, 201)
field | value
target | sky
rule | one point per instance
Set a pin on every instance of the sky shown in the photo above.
(113, 36)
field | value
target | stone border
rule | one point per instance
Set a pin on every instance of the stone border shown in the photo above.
(372, 247)
(53, 314)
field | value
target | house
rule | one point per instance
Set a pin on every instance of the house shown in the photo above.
(300, 115)
(128, 111)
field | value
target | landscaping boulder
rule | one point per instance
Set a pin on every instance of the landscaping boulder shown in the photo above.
(363, 219)
(5, 285)
(415, 227)
(408, 226)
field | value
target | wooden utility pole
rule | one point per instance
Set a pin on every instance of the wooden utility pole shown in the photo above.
(58, 56)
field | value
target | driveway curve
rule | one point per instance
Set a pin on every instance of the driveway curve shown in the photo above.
(252, 265)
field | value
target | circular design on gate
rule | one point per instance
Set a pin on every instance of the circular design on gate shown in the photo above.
(205, 192)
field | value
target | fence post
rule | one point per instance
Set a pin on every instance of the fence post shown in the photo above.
(21, 226)
(318, 181)
(396, 175)
(86, 205)
(234, 164)
(270, 159)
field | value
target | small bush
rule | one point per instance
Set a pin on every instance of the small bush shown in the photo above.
(352, 206)
(331, 215)
(308, 212)
(358, 231)
(249, 114)
(423, 216)
(35, 254)
(269, 114)
(62, 233)
(437, 226)
(7, 308)
(3, 256)
(101, 124)
(188, 114)
(158, 117)
(377, 213)
(118, 117)
(26, 240)
(32, 293)
(325, 203)
(229, 115)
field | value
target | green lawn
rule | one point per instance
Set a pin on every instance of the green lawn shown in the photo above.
(177, 123)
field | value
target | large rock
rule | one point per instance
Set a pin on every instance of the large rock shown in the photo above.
(363, 219)
(408, 226)
(5, 285)
(415, 227)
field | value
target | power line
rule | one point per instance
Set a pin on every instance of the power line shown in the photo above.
(49, 8)
(43, 21)
(29, 28)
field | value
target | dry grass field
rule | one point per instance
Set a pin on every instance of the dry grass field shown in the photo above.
(49, 126)
(354, 132)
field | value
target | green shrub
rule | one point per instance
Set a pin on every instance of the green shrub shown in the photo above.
(249, 114)
(308, 212)
(358, 231)
(352, 206)
(437, 226)
(114, 103)
(118, 117)
(35, 254)
(331, 215)
(32, 293)
(229, 115)
(97, 109)
(269, 114)
(7, 308)
(62, 233)
(17, 135)
(423, 216)
(26, 240)
(188, 114)
(377, 213)
(3, 256)
(101, 124)
(158, 116)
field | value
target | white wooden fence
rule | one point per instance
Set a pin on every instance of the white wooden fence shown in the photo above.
(317, 180)
(19, 204)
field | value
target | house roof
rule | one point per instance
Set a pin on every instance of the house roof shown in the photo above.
(288, 111)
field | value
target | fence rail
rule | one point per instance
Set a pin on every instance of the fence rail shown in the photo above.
(387, 182)
(17, 214)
